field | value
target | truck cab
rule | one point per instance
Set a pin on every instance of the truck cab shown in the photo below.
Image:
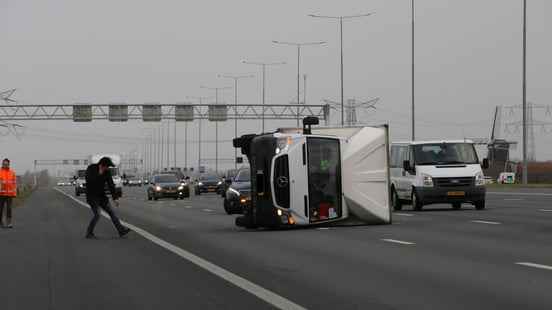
(428, 172)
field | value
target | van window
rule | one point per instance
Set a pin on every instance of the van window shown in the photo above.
(445, 153)
(395, 159)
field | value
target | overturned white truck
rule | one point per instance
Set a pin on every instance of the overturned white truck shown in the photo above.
(322, 176)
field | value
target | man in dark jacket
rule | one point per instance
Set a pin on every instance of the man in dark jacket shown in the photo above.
(97, 176)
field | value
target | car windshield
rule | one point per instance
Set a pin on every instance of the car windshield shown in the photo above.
(209, 178)
(445, 153)
(165, 179)
(243, 176)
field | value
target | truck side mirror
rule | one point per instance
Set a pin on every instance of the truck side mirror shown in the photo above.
(407, 166)
(485, 164)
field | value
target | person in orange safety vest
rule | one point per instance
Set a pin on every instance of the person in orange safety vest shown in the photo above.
(8, 190)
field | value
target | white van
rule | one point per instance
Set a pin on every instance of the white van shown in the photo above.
(427, 172)
(318, 176)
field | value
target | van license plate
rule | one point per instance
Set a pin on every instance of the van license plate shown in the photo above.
(456, 194)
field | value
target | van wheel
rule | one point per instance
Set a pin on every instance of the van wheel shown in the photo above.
(395, 201)
(457, 206)
(480, 205)
(417, 205)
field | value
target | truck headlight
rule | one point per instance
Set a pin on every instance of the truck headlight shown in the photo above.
(479, 179)
(181, 187)
(200, 183)
(219, 183)
(427, 180)
(283, 144)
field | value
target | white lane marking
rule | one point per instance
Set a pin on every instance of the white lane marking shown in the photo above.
(188, 207)
(270, 297)
(208, 210)
(403, 214)
(513, 199)
(534, 265)
(486, 222)
(398, 241)
(520, 193)
(323, 228)
(545, 210)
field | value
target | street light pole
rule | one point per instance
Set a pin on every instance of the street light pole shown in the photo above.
(216, 89)
(413, 75)
(199, 132)
(263, 66)
(236, 78)
(340, 19)
(524, 90)
(298, 45)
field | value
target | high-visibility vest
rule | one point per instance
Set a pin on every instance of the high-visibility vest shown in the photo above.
(8, 183)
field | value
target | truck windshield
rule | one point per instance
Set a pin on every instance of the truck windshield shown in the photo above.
(324, 171)
(445, 154)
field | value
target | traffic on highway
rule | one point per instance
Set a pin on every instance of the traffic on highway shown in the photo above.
(291, 155)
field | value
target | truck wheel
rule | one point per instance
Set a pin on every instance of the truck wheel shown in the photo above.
(457, 206)
(417, 205)
(480, 205)
(395, 201)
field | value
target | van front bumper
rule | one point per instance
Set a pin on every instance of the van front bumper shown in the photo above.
(471, 194)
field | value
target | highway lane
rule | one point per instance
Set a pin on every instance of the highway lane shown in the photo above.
(445, 254)
(434, 259)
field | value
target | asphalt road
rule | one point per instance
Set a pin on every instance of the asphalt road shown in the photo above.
(498, 258)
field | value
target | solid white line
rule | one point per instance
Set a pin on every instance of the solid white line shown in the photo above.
(188, 207)
(398, 241)
(403, 214)
(545, 210)
(208, 210)
(535, 265)
(486, 222)
(520, 193)
(323, 228)
(257, 290)
(513, 199)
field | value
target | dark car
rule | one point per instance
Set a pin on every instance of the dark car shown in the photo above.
(226, 181)
(238, 193)
(208, 183)
(167, 186)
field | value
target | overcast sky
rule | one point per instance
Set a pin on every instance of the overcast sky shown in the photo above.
(468, 60)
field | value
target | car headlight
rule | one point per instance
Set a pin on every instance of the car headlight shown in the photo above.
(180, 187)
(158, 188)
(234, 191)
(479, 179)
(200, 183)
(219, 183)
(427, 180)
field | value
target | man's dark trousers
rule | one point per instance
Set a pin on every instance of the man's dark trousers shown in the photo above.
(96, 204)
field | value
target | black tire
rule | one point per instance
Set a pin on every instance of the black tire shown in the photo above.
(155, 198)
(395, 201)
(227, 207)
(480, 205)
(77, 194)
(417, 205)
(175, 198)
(457, 206)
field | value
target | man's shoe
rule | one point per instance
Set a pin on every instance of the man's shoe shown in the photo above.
(124, 232)
(91, 236)
(9, 225)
